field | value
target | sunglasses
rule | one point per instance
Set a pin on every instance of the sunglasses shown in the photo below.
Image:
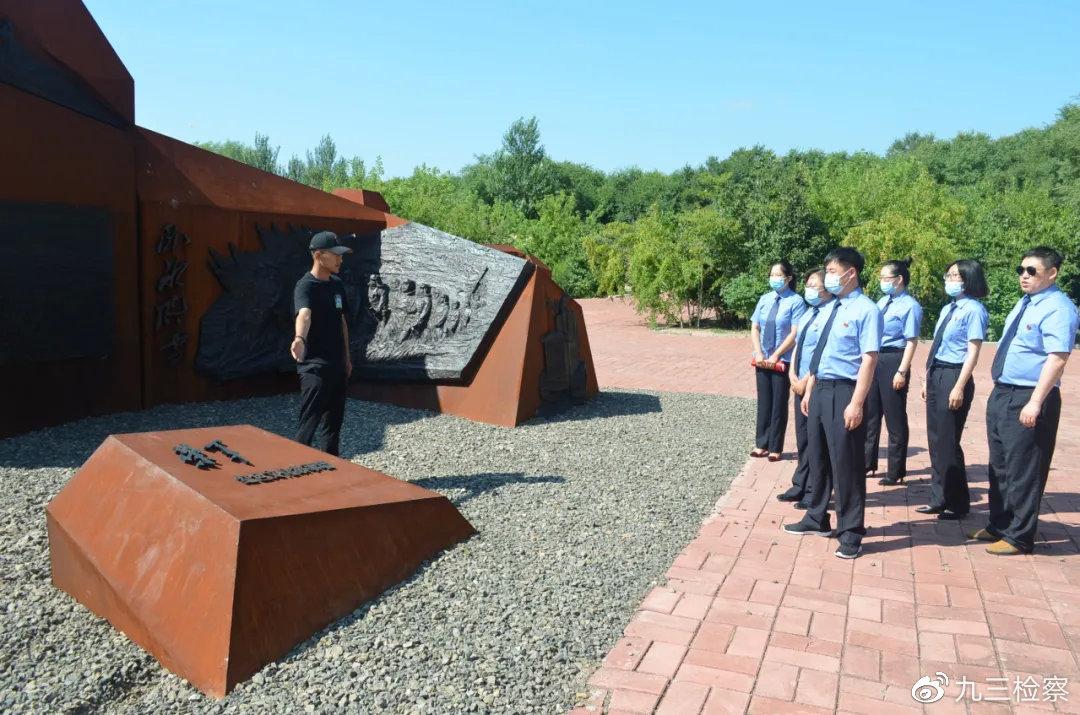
(1030, 270)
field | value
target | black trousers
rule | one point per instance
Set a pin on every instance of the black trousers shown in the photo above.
(1019, 462)
(885, 401)
(322, 407)
(801, 483)
(773, 389)
(830, 442)
(944, 428)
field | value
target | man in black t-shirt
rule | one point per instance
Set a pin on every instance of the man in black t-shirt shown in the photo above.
(321, 345)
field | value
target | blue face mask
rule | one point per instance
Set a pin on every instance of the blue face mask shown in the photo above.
(777, 283)
(954, 288)
(832, 283)
(813, 296)
(888, 287)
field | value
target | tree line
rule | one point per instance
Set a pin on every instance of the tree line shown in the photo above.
(699, 241)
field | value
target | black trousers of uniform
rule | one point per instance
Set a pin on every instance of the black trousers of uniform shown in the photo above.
(1019, 462)
(944, 428)
(830, 441)
(322, 407)
(801, 483)
(885, 401)
(773, 389)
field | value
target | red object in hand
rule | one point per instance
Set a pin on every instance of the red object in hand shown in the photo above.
(780, 365)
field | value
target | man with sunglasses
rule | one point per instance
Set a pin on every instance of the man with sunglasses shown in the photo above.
(1024, 408)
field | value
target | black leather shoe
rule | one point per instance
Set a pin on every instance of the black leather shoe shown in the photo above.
(951, 515)
(802, 505)
(890, 481)
(927, 509)
(788, 496)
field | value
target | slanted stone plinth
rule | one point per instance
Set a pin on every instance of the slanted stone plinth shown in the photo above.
(216, 577)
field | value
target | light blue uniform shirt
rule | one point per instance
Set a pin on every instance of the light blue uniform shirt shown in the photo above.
(903, 320)
(1049, 326)
(969, 321)
(792, 306)
(856, 330)
(811, 325)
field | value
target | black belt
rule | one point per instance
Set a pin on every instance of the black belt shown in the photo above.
(892, 350)
(835, 381)
(943, 364)
(1007, 386)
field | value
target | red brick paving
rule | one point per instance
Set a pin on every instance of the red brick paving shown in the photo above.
(754, 620)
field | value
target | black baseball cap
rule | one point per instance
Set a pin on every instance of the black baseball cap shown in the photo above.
(328, 241)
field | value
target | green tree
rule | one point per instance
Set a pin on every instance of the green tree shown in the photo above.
(260, 154)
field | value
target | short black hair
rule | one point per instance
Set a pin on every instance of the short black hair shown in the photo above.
(901, 268)
(971, 272)
(846, 256)
(1049, 257)
(789, 272)
(819, 272)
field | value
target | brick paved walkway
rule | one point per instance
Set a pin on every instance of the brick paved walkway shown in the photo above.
(753, 619)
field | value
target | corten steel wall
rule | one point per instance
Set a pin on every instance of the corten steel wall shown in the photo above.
(52, 155)
(65, 31)
(92, 157)
(214, 202)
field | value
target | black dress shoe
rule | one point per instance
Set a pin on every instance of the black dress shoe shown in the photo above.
(928, 509)
(802, 505)
(951, 515)
(890, 481)
(788, 496)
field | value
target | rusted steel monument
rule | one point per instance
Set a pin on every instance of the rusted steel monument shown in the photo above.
(137, 270)
(219, 560)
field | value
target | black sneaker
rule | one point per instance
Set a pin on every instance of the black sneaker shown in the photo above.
(849, 551)
(800, 528)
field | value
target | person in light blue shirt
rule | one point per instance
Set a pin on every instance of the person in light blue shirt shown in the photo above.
(840, 372)
(902, 316)
(807, 332)
(1024, 408)
(772, 338)
(949, 387)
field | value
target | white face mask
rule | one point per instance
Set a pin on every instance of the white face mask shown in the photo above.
(833, 284)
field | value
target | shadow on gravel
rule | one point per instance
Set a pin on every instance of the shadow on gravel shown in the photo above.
(69, 445)
(476, 484)
(609, 403)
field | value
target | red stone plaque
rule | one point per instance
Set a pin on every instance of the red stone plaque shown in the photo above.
(216, 577)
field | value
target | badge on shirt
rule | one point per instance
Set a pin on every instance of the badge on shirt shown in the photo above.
(337, 301)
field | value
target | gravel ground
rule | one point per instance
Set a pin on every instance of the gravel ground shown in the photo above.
(578, 517)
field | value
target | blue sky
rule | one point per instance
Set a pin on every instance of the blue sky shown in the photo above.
(655, 85)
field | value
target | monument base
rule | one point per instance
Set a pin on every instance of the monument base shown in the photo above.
(215, 576)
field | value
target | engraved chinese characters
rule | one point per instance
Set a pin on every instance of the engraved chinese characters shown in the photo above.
(171, 305)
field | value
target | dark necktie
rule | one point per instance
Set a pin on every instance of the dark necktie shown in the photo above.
(802, 335)
(770, 328)
(887, 304)
(1003, 346)
(937, 335)
(820, 347)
